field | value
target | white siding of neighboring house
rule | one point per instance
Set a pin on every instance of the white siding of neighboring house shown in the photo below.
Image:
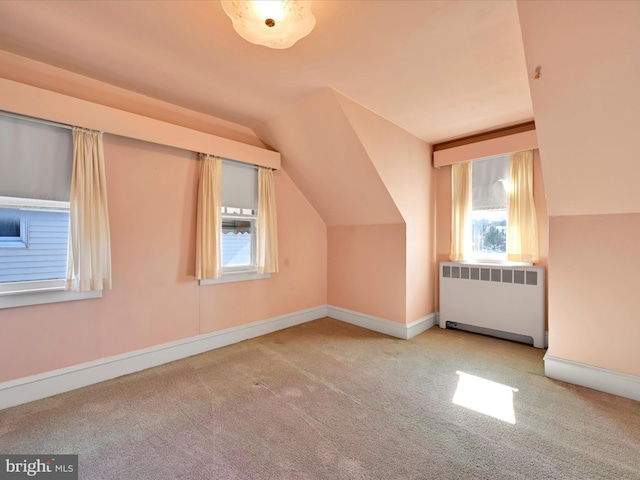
(45, 255)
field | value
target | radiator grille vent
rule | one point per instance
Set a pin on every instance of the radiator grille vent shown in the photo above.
(507, 276)
(504, 275)
(496, 275)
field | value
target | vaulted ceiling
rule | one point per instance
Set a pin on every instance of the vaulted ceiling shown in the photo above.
(438, 69)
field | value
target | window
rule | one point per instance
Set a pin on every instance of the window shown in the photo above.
(493, 214)
(239, 217)
(489, 208)
(239, 210)
(13, 229)
(35, 161)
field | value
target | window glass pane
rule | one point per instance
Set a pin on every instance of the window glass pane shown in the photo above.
(9, 224)
(45, 255)
(237, 242)
(489, 231)
(489, 207)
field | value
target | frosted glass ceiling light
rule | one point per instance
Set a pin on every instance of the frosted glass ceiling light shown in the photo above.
(272, 23)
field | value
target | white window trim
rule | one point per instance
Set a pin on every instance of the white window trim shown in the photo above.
(17, 288)
(236, 276)
(485, 257)
(33, 204)
(239, 273)
(493, 261)
(250, 268)
(23, 294)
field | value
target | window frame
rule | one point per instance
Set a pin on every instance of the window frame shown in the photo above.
(20, 294)
(20, 241)
(484, 256)
(253, 219)
(242, 273)
(35, 292)
(489, 258)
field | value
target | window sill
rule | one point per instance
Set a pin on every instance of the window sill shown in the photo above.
(491, 262)
(229, 277)
(39, 297)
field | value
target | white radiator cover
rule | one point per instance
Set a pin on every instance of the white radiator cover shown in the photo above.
(507, 299)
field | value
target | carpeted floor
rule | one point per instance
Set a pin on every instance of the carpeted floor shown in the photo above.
(328, 400)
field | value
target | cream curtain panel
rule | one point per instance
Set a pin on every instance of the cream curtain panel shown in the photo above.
(460, 210)
(267, 229)
(209, 219)
(522, 234)
(89, 259)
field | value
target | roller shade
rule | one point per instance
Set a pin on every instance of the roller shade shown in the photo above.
(35, 160)
(489, 183)
(239, 185)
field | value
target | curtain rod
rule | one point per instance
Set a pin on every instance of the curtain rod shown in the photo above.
(35, 120)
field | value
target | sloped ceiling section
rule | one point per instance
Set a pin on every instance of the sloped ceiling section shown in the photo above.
(41, 75)
(402, 160)
(586, 103)
(324, 157)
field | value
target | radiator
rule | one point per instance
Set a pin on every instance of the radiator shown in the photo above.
(493, 299)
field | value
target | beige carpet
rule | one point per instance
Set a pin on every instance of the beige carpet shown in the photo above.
(327, 400)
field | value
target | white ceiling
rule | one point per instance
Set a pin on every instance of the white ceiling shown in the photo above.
(439, 69)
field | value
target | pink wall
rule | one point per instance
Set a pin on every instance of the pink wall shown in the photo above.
(327, 161)
(593, 299)
(587, 122)
(443, 221)
(155, 297)
(301, 282)
(403, 162)
(365, 174)
(366, 270)
(586, 102)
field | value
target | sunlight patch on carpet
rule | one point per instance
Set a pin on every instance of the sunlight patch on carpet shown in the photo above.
(486, 397)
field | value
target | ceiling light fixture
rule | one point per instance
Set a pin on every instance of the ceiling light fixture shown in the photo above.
(272, 23)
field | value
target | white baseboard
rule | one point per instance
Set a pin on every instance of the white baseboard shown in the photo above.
(421, 325)
(394, 329)
(35, 387)
(610, 381)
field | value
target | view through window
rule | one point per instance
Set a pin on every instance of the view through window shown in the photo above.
(489, 208)
(239, 216)
(238, 237)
